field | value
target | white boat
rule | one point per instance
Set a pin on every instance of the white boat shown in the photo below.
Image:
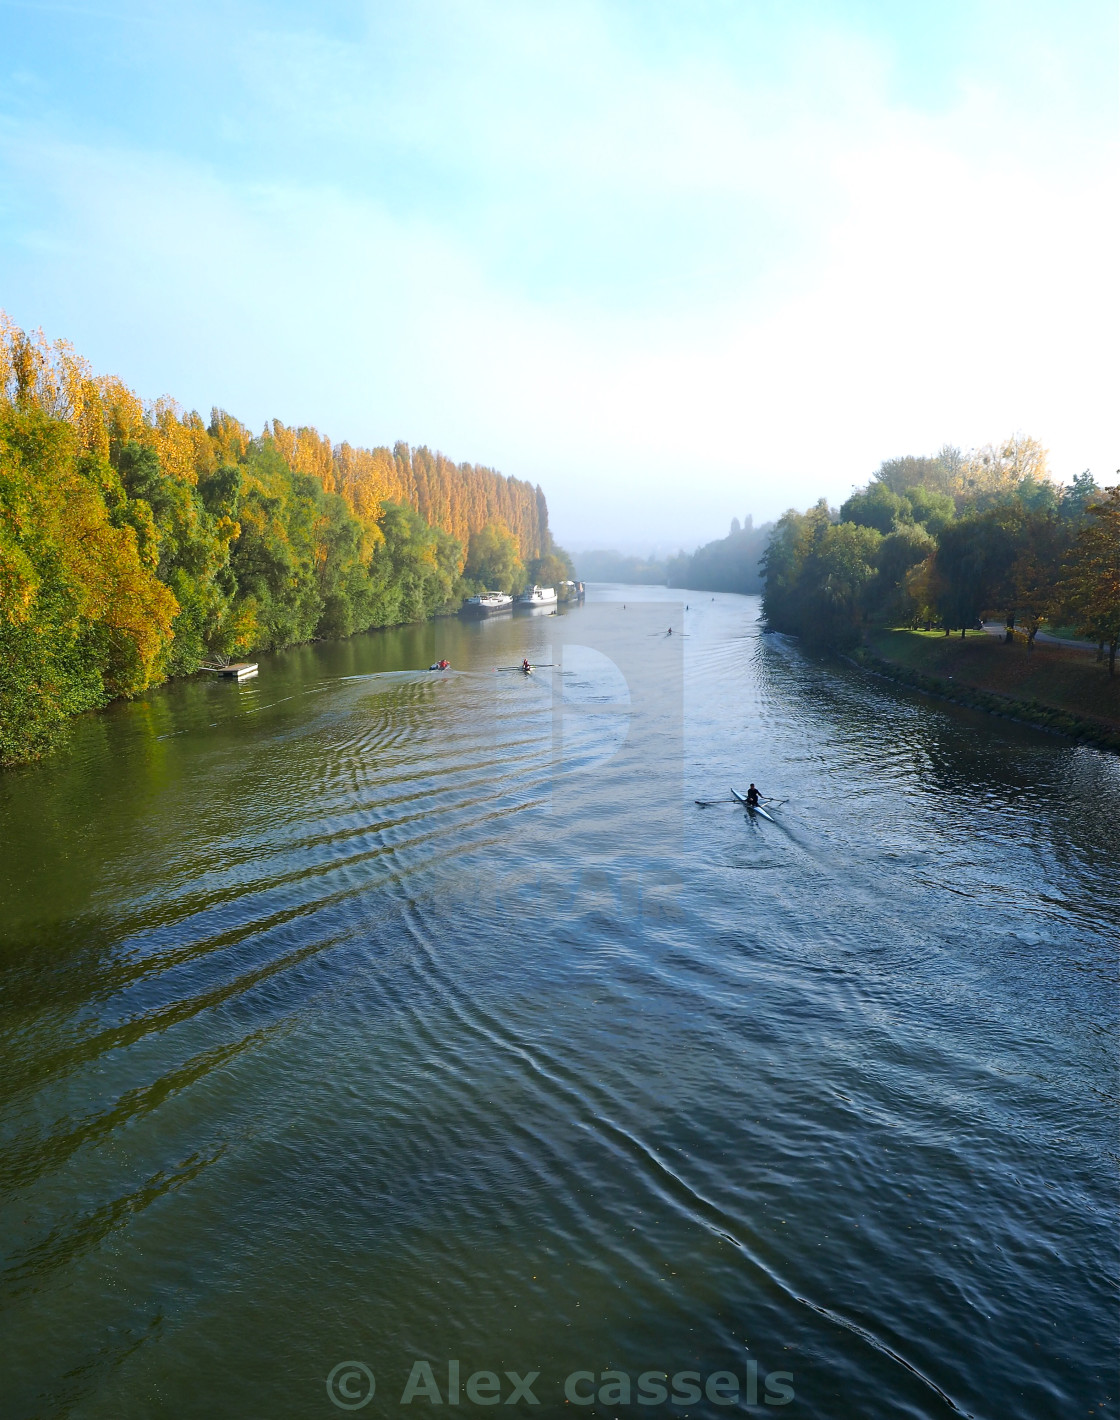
(239, 670)
(488, 601)
(753, 808)
(537, 596)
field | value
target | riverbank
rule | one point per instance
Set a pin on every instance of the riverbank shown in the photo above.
(1056, 687)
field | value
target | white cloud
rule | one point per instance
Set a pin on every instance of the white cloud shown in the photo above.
(668, 294)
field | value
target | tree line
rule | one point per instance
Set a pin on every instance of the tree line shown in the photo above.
(729, 564)
(603, 565)
(947, 541)
(138, 541)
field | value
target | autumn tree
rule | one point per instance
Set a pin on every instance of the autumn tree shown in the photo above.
(1042, 543)
(83, 615)
(1016, 467)
(138, 540)
(1089, 589)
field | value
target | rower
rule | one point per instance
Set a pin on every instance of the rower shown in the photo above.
(753, 797)
(525, 666)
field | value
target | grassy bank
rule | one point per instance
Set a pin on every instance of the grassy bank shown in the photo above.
(1056, 687)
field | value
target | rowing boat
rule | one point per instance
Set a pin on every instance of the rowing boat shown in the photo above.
(753, 808)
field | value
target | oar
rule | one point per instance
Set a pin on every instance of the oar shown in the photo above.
(710, 803)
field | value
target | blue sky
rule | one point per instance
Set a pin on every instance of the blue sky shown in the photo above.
(676, 262)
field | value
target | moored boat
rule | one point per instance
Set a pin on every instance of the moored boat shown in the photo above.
(537, 596)
(237, 670)
(488, 601)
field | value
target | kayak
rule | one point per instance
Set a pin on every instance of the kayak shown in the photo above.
(753, 808)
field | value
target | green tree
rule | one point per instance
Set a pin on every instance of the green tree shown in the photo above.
(192, 552)
(274, 556)
(877, 506)
(843, 568)
(899, 552)
(972, 567)
(1077, 497)
(414, 569)
(819, 576)
(936, 474)
(549, 570)
(493, 562)
(933, 510)
(346, 600)
(786, 600)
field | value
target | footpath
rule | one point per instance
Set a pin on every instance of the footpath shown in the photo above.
(1042, 638)
(1056, 685)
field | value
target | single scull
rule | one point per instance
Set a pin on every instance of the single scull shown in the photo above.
(753, 808)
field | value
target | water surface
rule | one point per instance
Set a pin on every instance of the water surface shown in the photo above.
(362, 1014)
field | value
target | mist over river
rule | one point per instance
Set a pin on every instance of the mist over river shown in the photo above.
(365, 1022)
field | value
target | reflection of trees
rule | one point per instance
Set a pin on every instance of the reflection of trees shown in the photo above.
(946, 750)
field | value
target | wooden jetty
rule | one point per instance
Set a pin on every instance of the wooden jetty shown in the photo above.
(240, 670)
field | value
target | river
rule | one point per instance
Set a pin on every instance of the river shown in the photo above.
(358, 1019)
